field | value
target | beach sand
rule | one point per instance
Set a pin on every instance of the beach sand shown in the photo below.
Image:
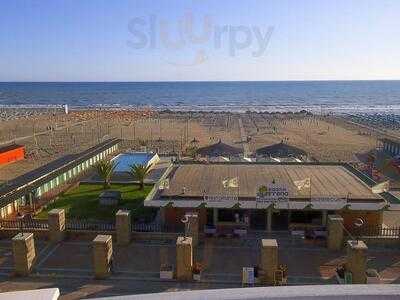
(51, 135)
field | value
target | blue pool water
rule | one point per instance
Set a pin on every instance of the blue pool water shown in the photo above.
(126, 160)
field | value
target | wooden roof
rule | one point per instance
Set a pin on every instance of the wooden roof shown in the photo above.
(326, 180)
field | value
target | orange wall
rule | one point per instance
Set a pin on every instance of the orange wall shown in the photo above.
(12, 155)
(372, 218)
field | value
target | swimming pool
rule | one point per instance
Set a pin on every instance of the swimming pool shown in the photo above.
(126, 160)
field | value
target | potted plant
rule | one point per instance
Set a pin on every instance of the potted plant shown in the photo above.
(166, 272)
(196, 270)
(373, 276)
(340, 271)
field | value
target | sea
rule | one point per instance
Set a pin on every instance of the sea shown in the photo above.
(238, 96)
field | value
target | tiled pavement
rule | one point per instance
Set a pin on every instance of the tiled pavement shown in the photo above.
(223, 259)
(69, 265)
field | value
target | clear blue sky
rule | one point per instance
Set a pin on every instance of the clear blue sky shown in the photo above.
(94, 40)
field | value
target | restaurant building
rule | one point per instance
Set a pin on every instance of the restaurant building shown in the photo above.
(267, 196)
(47, 179)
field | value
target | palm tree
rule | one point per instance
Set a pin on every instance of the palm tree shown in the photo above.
(105, 169)
(139, 173)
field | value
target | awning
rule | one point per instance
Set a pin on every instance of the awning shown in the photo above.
(184, 203)
(367, 206)
(221, 204)
(156, 203)
(394, 207)
(248, 204)
(328, 205)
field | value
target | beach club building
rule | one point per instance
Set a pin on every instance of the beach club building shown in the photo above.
(51, 178)
(231, 197)
(390, 146)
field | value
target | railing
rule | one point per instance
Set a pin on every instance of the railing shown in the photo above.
(152, 227)
(24, 224)
(143, 227)
(86, 225)
(377, 231)
(83, 225)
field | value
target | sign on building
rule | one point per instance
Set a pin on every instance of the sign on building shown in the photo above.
(272, 193)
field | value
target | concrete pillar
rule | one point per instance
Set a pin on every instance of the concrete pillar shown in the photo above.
(123, 226)
(193, 227)
(335, 232)
(184, 258)
(215, 216)
(102, 256)
(269, 219)
(24, 253)
(56, 225)
(269, 260)
(356, 261)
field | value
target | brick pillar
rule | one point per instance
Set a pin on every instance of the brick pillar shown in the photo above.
(269, 260)
(24, 253)
(193, 227)
(102, 256)
(56, 225)
(123, 227)
(356, 261)
(335, 232)
(184, 258)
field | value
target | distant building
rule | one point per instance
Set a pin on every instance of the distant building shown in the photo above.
(66, 109)
(50, 177)
(11, 153)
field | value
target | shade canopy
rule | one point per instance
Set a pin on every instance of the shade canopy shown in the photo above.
(219, 149)
(281, 150)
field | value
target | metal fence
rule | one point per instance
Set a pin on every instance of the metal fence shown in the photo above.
(152, 227)
(24, 224)
(377, 231)
(86, 225)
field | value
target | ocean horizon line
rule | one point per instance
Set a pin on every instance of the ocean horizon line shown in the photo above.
(208, 81)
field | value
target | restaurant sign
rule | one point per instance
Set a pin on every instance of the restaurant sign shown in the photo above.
(272, 193)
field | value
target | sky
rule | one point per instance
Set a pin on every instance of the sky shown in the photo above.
(207, 40)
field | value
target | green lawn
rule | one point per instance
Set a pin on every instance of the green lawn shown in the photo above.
(82, 203)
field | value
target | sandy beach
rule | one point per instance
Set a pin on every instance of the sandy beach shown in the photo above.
(50, 134)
